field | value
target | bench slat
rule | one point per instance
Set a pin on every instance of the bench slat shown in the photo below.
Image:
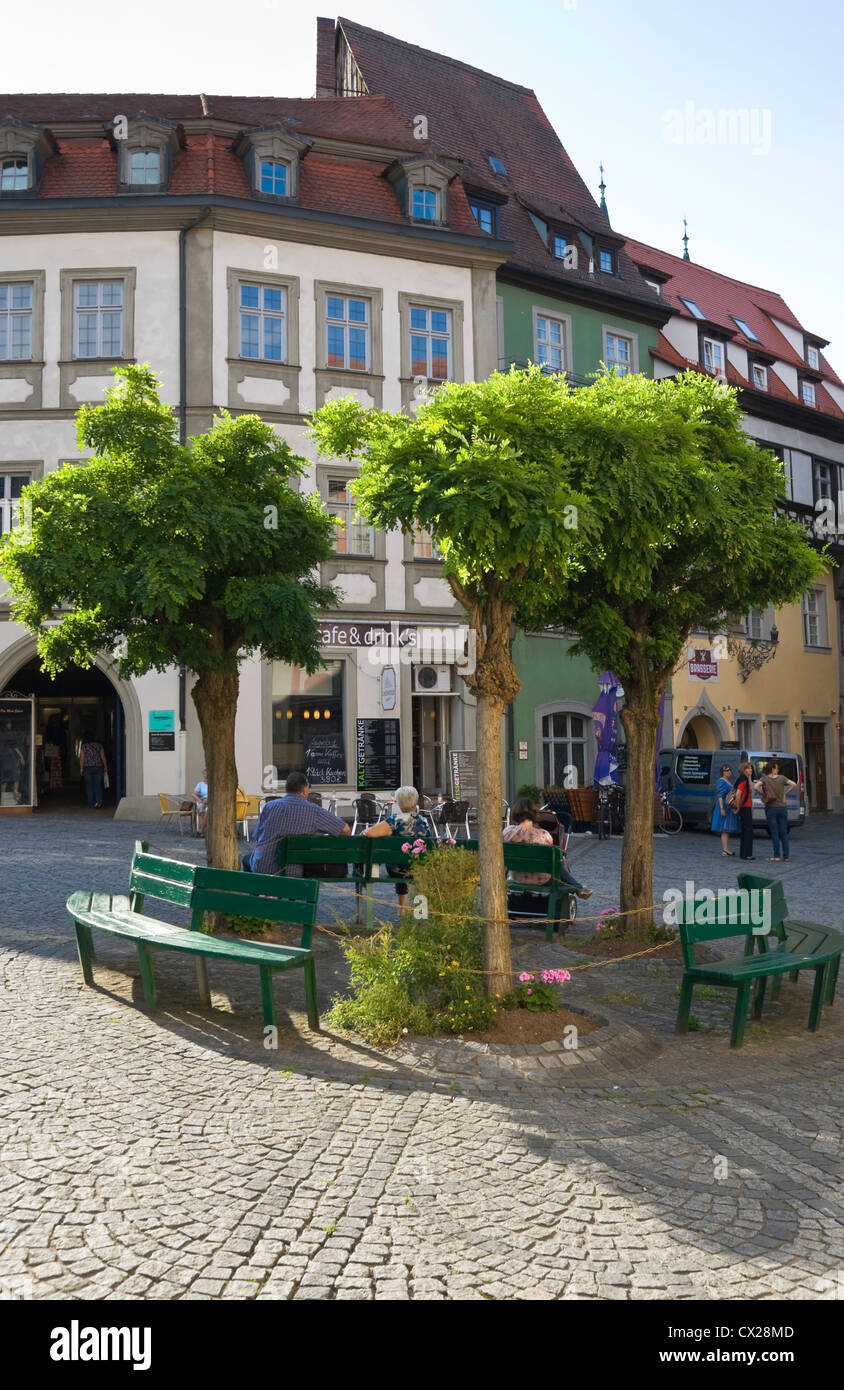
(286, 890)
(171, 870)
(161, 888)
(273, 909)
(137, 927)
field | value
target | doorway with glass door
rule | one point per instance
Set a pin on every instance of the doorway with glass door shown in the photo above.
(431, 728)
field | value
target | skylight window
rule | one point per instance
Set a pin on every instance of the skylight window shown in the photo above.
(692, 307)
(497, 165)
(745, 328)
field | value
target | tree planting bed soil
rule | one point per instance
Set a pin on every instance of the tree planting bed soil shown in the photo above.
(523, 1026)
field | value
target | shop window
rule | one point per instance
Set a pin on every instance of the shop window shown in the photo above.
(308, 718)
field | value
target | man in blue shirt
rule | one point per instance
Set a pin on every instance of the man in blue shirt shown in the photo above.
(292, 814)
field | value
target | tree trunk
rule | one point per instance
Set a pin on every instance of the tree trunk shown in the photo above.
(640, 717)
(215, 697)
(499, 979)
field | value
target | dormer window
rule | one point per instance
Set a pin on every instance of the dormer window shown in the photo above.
(760, 376)
(813, 357)
(275, 177)
(808, 394)
(425, 205)
(421, 186)
(23, 150)
(561, 247)
(654, 285)
(145, 148)
(145, 167)
(272, 156)
(486, 216)
(713, 355)
(14, 174)
(606, 261)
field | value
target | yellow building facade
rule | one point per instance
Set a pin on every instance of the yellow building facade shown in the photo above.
(772, 684)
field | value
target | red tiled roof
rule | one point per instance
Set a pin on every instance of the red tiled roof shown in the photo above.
(473, 114)
(666, 352)
(344, 185)
(719, 297)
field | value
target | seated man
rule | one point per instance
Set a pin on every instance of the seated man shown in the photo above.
(524, 831)
(292, 814)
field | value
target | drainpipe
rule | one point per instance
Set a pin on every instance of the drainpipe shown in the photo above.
(183, 342)
(511, 745)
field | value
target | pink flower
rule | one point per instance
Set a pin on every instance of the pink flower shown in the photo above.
(405, 848)
(524, 977)
(530, 991)
(555, 977)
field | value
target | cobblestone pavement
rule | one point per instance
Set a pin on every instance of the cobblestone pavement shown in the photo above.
(177, 1158)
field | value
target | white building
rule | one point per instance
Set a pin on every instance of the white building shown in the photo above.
(262, 255)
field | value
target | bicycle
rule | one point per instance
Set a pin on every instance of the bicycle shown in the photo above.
(667, 819)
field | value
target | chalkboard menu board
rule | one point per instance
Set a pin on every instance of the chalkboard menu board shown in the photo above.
(378, 754)
(464, 775)
(325, 760)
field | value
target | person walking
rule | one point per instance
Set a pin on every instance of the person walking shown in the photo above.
(94, 768)
(772, 788)
(724, 820)
(744, 809)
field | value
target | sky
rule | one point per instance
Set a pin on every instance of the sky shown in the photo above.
(639, 86)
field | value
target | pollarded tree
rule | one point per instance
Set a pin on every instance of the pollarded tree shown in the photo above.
(170, 555)
(689, 537)
(479, 467)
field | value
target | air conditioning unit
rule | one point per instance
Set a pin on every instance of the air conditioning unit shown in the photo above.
(432, 680)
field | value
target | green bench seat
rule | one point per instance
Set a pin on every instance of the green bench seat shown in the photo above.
(777, 955)
(805, 938)
(200, 890)
(363, 854)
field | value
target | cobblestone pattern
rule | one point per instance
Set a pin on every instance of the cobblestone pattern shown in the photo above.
(175, 1157)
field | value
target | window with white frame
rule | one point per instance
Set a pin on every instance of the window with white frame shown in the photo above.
(760, 376)
(654, 285)
(98, 318)
(713, 355)
(353, 537)
(564, 749)
(550, 342)
(14, 174)
(11, 487)
(430, 343)
(807, 393)
(144, 167)
(274, 177)
(753, 624)
(16, 322)
(262, 317)
(775, 735)
(746, 731)
(814, 618)
(813, 357)
(347, 330)
(424, 545)
(824, 480)
(619, 353)
(425, 204)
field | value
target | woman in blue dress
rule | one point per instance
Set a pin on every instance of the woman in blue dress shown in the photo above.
(725, 821)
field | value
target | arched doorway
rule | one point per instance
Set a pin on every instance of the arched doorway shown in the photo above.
(67, 706)
(700, 732)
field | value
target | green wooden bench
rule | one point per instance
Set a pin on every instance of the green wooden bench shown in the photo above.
(200, 890)
(808, 938)
(775, 957)
(363, 854)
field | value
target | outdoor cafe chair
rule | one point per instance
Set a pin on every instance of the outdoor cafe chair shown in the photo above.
(173, 809)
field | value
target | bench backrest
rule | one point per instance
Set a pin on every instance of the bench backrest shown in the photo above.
(202, 889)
(322, 849)
(776, 897)
(733, 912)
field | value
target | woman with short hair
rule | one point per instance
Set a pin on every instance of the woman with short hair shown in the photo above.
(407, 822)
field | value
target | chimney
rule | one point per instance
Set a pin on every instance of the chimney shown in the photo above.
(325, 68)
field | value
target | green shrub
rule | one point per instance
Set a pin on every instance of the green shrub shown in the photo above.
(533, 791)
(424, 975)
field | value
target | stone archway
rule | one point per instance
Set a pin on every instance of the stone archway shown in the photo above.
(22, 650)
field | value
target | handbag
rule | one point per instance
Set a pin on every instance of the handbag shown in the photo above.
(106, 782)
(732, 800)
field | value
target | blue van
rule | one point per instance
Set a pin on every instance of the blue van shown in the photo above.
(692, 776)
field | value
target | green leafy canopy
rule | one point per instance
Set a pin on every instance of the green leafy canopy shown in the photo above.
(689, 533)
(480, 467)
(167, 553)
